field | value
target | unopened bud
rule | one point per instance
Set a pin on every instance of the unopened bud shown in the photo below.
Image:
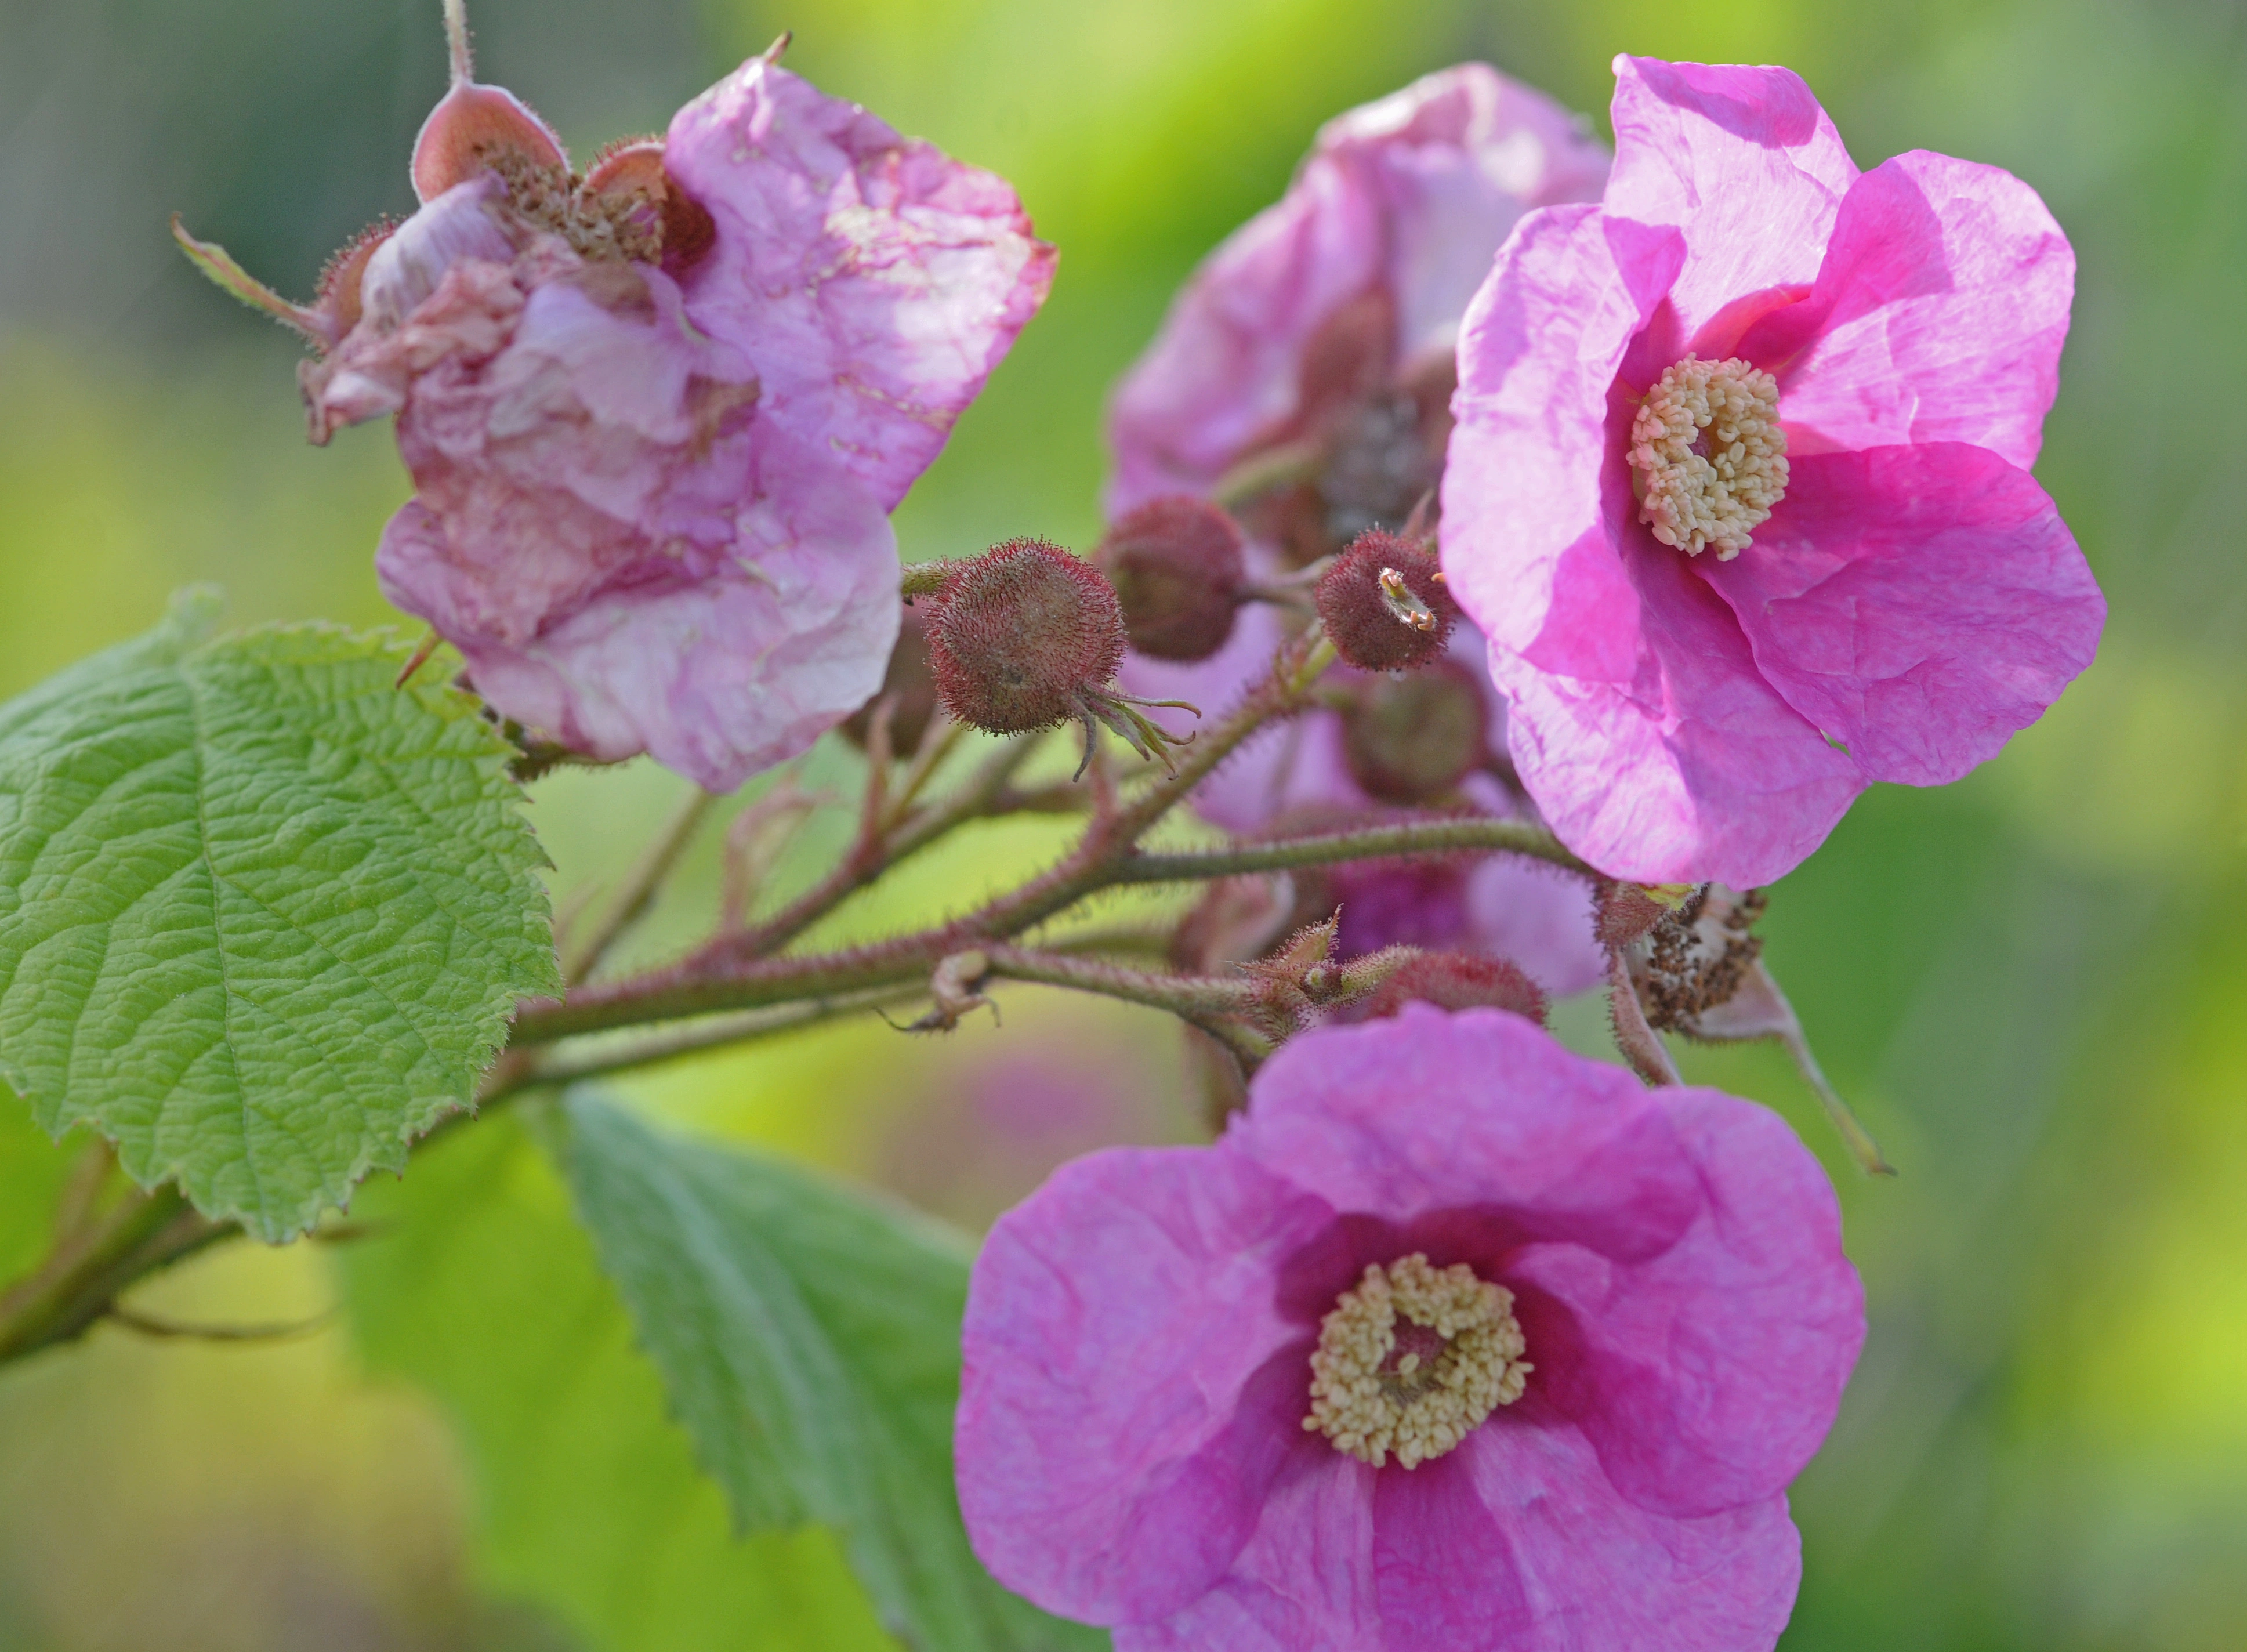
(1458, 980)
(1384, 604)
(1412, 739)
(913, 683)
(1020, 634)
(1177, 569)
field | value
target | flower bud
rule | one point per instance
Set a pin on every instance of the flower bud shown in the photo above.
(1020, 634)
(1177, 569)
(1412, 739)
(909, 678)
(1384, 604)
(1457, 981)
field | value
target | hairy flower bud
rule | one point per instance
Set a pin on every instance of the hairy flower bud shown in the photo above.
(1384, 604)
(911, 680)
(1457, 981)
(1020, 634)
(1622, 911)
(1410, 740)
(1176, 568)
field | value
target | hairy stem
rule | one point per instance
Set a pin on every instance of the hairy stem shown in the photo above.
(79, 1281)
(1464, 833)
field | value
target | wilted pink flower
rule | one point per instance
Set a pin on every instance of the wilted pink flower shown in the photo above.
(1320, 337)
(1739, 486)
(656, 416)
(1455, 1339)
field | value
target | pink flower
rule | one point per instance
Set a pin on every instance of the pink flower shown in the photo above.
(1650, 1322)
(656, 416)
(1325, 325)
(1716, 627)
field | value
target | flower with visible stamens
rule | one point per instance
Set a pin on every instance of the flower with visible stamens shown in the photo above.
(1561, 1342)
(1834, 382)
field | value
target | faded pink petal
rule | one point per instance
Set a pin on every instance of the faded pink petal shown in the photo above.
(716, 662)
(1130, 1450)
(651, 502)
(874, 281)
(1411, 194)
(1919, 603)
(1912, 602)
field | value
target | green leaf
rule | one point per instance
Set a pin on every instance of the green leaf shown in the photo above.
(477, 1283)
(264, 916)
(810, 1341)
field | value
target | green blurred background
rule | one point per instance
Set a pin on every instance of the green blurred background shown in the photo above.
(2032, 983)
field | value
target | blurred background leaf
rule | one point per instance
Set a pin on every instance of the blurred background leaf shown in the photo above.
(2030, 982)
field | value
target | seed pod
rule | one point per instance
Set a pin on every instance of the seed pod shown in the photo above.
(1019, 636)
(1458, 980)
(1384, 604)
(1412, 739)
(1175, 566)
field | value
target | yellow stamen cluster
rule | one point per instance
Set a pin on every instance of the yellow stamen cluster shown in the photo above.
(1710, 456)
(1460, 1360)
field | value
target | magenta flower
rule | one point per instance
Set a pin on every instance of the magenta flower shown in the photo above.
(1325, 327)
(656, 416)
(1455, 1339)
(1739, 486)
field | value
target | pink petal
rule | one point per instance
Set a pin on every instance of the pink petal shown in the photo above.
(717, 662)
(1115, 1443)
(1707, 1375)
(1694, 1311)
(1427, 1112)
(1523, 476)
(1305, 1579)
(1919, 603)
(874, 281)
(1538, 917)
(1411, 194)
(1938, 315)
(1690, 767)
(1593, 1570)
(1638, 720)
(1739, 168)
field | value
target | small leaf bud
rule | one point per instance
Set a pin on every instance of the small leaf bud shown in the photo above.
(1458, 980)
(1384, 604)
(1412, 739)
(1176, 568)
(909, 678)
(1019, 635)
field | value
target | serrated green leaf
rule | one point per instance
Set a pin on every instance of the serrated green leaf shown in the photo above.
(809, 1338)
(477, 1283)
(264, 916)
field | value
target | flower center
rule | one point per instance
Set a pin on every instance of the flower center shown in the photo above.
(1413, 1358)
(1709, 456)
